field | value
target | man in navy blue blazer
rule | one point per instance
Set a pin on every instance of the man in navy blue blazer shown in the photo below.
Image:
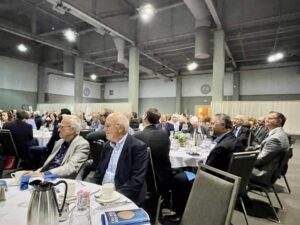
(124, 160)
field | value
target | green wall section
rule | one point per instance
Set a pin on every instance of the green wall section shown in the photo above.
(164, 105)
(12, 99)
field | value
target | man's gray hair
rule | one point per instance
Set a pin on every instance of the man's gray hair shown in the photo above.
(225, 119)
(74, 122)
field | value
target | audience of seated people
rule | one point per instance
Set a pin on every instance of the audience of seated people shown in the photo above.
(225, 144)
(124, 160)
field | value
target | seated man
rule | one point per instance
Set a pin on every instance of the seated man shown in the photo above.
(68, 154)
(124, 160)
(23, 137)
(272, 149)
(159, 143)
(219, 157)
(240, 131)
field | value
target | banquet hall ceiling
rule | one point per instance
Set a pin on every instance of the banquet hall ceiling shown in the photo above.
(253, 29)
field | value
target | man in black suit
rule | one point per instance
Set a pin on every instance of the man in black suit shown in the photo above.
(124, 160)
(23, 137)
(225, 144)
(159, 143)
(240, 131)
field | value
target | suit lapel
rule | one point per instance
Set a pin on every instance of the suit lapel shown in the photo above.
(124, 154)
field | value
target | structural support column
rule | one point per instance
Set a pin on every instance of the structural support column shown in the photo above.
(133, 84)
(42, 84)
(218, 65)
(236, 86)
(102, 92)
(78, 80)
(178, 95)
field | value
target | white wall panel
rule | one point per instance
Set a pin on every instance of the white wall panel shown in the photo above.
(91, 90)
(270, 81)
(60, 85)
(191, 86)
(116, 90)
(18, 75)
(157, 88)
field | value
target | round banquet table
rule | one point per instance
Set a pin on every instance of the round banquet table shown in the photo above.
(14, 209)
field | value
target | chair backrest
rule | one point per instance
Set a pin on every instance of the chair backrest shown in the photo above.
(150, 177)
(95, 152)
(8, 144)
(241, 164)
(212, 198)
(84, 133)
(283, 164)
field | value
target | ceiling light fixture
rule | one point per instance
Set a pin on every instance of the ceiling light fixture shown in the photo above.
(93, 76)
(146, 12)
(275, 57)
(192, 66)
(70, 35)
(22, 48)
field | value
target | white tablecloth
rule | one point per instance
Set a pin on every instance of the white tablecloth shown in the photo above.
(180, 157)
(14, 209)
(42, 136)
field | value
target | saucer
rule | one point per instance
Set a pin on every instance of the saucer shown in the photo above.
(13, 182)
(115, 196)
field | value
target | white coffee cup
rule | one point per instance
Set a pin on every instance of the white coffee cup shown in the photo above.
(107, 191)
(71, 188)
(18, 175)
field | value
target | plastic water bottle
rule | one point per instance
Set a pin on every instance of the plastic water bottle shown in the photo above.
(81, 214)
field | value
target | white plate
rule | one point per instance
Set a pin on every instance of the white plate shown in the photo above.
(115, 196)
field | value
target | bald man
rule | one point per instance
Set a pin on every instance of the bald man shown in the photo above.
(124, 160)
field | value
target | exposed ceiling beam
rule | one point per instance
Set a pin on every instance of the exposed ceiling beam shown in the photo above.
(14, 29)
(217, 20)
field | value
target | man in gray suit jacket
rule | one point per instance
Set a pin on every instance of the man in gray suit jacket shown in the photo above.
(272, 149)
(69, 153)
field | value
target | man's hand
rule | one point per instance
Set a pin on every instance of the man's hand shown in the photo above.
(33, 174)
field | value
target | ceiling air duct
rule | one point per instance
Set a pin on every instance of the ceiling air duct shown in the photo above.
(202, 26)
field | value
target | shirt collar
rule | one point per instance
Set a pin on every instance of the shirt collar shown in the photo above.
(120, 142)
(217, 140)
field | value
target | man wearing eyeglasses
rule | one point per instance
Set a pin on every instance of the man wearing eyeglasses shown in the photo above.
(69, 153)
(124, 160)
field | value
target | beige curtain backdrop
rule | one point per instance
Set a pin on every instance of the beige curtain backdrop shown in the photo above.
(85, 107)
(291, 109)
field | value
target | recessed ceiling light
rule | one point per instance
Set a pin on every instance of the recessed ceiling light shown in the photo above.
(192, 66)
(146, 12)
(70, 35)
(275, 57)
(22, 48)
(93, 76)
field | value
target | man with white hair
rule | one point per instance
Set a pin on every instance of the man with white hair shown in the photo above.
(69, 153)
(242, 133)
(124, 160)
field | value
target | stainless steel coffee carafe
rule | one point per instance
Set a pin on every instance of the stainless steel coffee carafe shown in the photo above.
(43, 207)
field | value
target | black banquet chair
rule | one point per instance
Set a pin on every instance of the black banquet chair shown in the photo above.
(11, 160)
